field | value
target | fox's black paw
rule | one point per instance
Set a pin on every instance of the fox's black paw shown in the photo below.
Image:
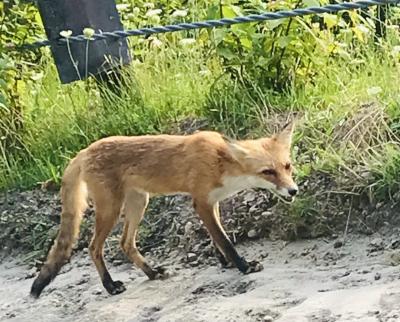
(224, 262)
(227, 265)
(254, 266)
(114, 288)
(161, 273)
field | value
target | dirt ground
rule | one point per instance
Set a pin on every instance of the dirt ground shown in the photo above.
(313, 281)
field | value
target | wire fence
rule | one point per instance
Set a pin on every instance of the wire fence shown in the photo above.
(264, 16)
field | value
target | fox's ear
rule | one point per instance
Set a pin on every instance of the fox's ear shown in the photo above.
(285, 136)
(236, 150)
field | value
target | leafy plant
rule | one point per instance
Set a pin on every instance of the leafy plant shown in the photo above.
(19, 23)
(244, 80)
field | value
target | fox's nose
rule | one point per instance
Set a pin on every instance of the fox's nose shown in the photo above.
(292, 191)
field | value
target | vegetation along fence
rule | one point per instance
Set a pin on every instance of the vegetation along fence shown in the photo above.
(103, 35)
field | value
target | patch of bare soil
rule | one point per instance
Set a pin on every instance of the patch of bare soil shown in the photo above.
(302, 281)
(326, 278)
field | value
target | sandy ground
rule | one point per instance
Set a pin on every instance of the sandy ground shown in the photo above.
(303, 281)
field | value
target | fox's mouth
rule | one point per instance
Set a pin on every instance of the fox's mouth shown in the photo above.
(288, 198)
(283, 197)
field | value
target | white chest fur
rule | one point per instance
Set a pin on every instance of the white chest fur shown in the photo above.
(232, 185)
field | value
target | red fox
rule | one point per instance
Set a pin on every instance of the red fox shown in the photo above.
(123, 172)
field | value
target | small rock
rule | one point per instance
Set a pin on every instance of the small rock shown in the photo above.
(323, 290)
(395, 243)
(49, 185)
(117, 262)
(253, 209)
(194, 263)
(346, 273)
(81, 263)
(266, 213)
(188, 228)
(250, 196)
(394, 258)
(23, 206)
(252, 233)
(377, 276)
(305, 252)
(31, 273)
(83, 280)
(268, 318)
(191, 257)
(376, 244)
(97, 291)
(338, 244)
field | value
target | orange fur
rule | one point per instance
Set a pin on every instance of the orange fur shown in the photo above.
(125, 171)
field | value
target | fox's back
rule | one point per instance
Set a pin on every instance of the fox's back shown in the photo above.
(155, 163)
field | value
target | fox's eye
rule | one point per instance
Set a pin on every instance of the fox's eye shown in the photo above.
(288, 166)
(269, 172)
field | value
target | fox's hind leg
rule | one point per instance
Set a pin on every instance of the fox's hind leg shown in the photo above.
(135, 206)
(108, 207)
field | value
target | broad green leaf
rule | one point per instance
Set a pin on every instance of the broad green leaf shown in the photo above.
(226, 53)
(330, 20)
(312, 3)
(239, 30)
(213, 12)
(344, 54)
(284, 41)
(354, 16)
(247, 43)
(37, 76)
(219, 35)
(243, 29)
(274, 23)
(21, 86)
(228, 12)
(237, 10)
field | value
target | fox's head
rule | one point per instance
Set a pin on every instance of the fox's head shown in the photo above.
(266, 162)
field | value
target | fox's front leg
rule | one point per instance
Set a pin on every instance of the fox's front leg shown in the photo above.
(221, 257)
(210, 217)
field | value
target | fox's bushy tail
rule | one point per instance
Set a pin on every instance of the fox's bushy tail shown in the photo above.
(73, 197)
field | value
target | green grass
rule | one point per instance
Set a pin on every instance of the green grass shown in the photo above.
(359, 96)
(342, 85)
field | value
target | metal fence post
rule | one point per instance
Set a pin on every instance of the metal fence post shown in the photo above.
(76, 60)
